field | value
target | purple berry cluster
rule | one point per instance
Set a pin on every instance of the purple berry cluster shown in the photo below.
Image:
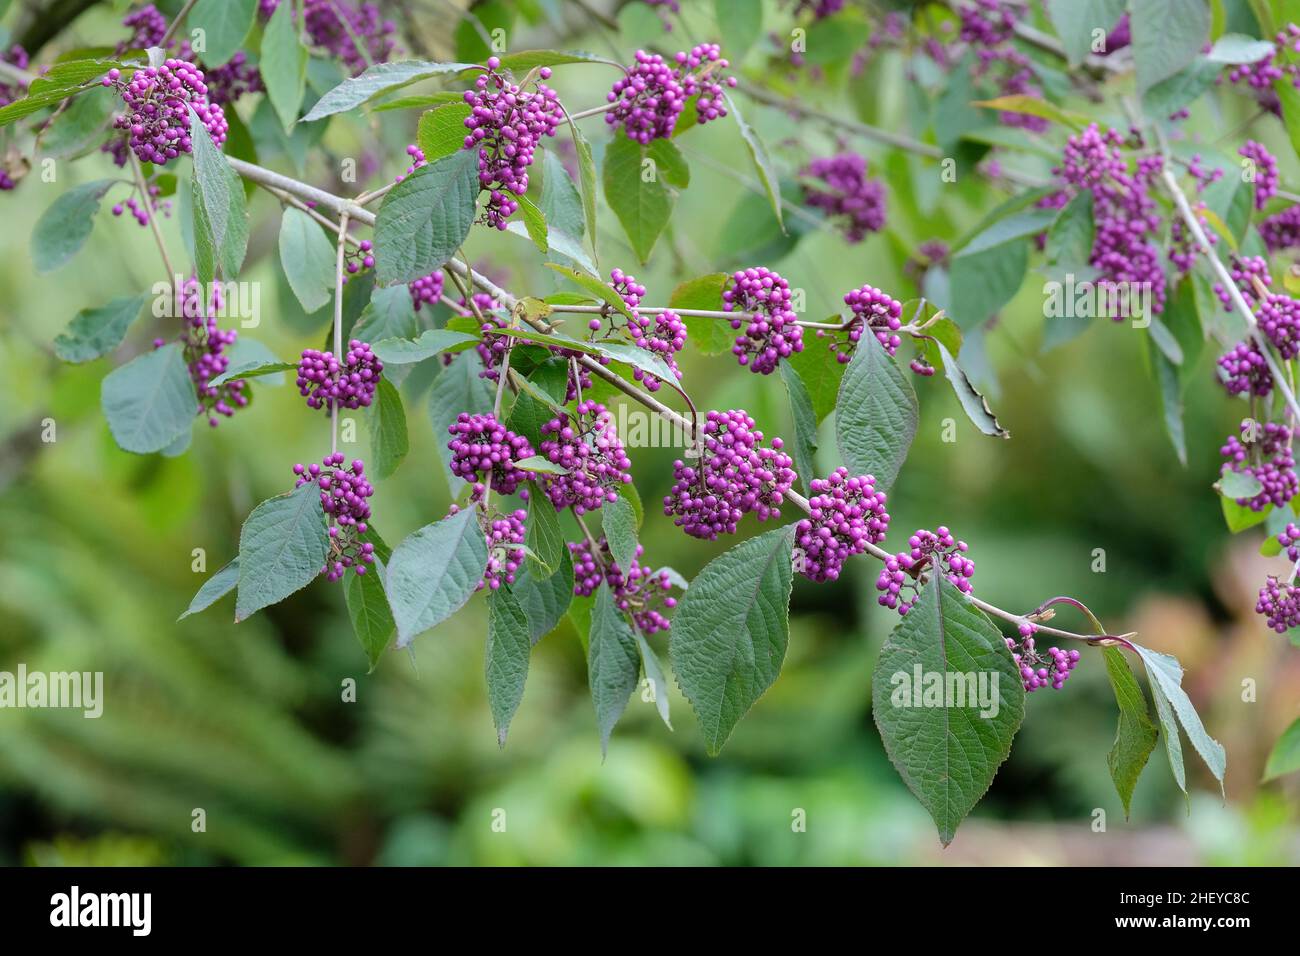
(1289, 539)
(140, 211)
(148, 26)
(338, 26)
(205, 346)
(506, 123)
(1266, 175)
(664, 333)
(820, 9)
(1243, 371)
(1127, 217)
(427, 289)
(1038, 670)
(1244, 270)
(1279, 319)
(641, 592)
(1268, 459)
(481, 446)
(735, 475)
(845, 515)
(343, 497)
(772, 332)
(934, 549)
(363, 257)
(874, 310)
(1281, 230)
(1261, 76)
(588, 446)
(504, 534)
(650, 97)
(842, 190)
(15, 56)
(988, 26)
(328, 383)
(1280, 604)
(158, 100)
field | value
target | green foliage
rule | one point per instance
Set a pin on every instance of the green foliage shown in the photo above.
(388, 441)
(282, 549)
(308, 259)
(613, 663)
(426, 218)
(149, 402)
(506, 653)
(433, 572)
(1136, 735)
(637, 193)
(95, 332)
(380, 79)
(225, 24)
(876, 414)
(64, 228)
(220, 217)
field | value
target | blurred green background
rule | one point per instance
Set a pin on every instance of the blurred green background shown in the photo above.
(247, 722)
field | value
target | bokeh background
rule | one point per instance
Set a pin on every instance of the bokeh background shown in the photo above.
(246, 721)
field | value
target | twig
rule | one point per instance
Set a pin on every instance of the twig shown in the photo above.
(176, 22)
(338, 323)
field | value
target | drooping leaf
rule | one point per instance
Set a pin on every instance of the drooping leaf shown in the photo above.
(991, 266)
(434, 572)
(150, 400)
(642, 203)
(388, 440)
(1167, 36)
(308, 259)
(506, 658)
(1285, 757)
(372, 618)
(654, 675)
(376, 80)
(876, 414)
(619, 523)
(214, 589)
(66, 225)
(389, 315)
(613, 663)
(973, 402)
(730, 631)
(762, 161)
(442, 130)
(1165, 675)
(220, 216)
(426, 217)
(395, 351)
(1076, 20)
(804, 446)
(96, 332)
(282, 548)
(945, 732)
(1135, 737)
(822, 375)
(60, 81)
(543, 536)
(545, 600)
(534, 222)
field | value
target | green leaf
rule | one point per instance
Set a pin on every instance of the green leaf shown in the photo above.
(375, 81)
(1167, 36)
(1239, 517)
(284, 66)
(1238, 484)
(876, 414)
(388, 441)
(214, 589)
(506, 658)
(150, 400)
(251, 369)
(1070, 238)
(60, 81)
(822, 375)
(1237, 48)
(561, 203)
(587, 180)
(990, 267)
(544, 538)
(442, 130)
(704, 294)
(534, 222)
(80, 127)
(1289, 97)
(1135, 737)
(388, 316)
(372, 619)
(613, 663)
(220, 217)
(1285, 757)
(96, 332)
(1171, 399)
(973, 403)
(619, 523)
(743, 22)
(730, 632)
(1034, 106)
(1075, 21)
(654, 675)
(762, 162)
(521, 63)
(282, 548)
(431, 342)
(545, 600)
(308, 259)
(421, 101)
(643, 204)
(434, 572)
(1165, 675)
(946, 748)
(670, 162)
(1180, 90)
(805, 423)
(225, 24)
(66, 225)
(457, 389)
(426, 218)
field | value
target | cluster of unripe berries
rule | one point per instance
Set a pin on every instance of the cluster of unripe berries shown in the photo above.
(344, 494)
(939, 551)
(648, 100)
(158, 101)
(1266, 455)
(326, 382)
(839, 187)
(506, 123)
(1265, 171)
(845, 515)
(1244, 371)
(873, 310)
(772, 329)
(1038, 670)
(640, 592)
(587, 446)
(338, 26)
(481, 446)
(735, 475)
